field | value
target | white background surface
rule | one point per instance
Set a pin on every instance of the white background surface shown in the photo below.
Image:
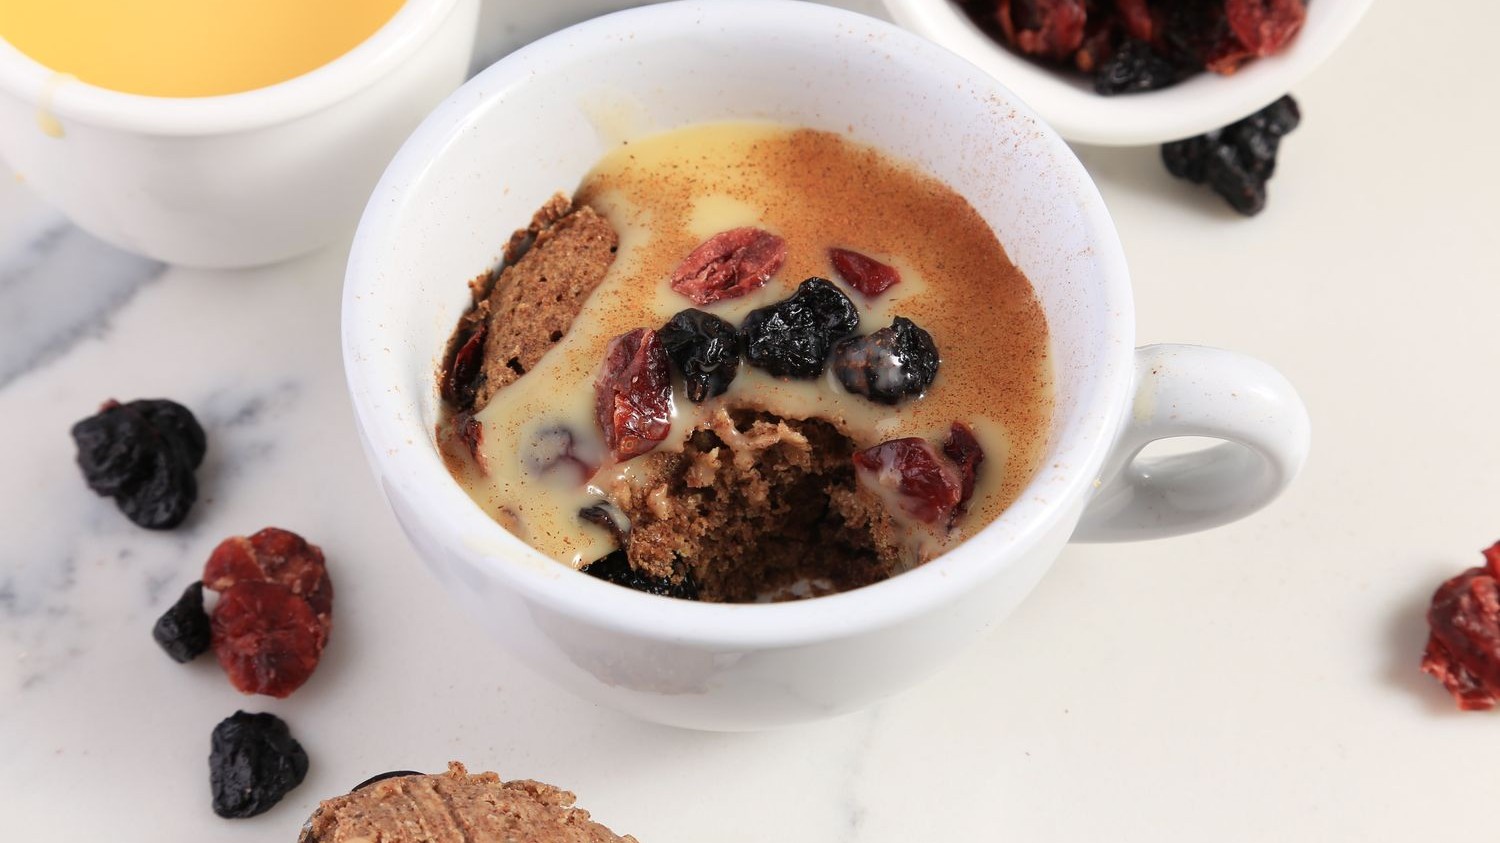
(1255, 683)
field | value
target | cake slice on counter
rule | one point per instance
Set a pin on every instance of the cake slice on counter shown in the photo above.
(454, 807)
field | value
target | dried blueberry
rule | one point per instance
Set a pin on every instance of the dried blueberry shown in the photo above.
(705, 349)
(616, 568)
(792, 337)
(609, 517)
(184, 630)
(1237, 160)
(394, 774)
(889, 365)
(253, 763)
(143, 454)
(1134, 67)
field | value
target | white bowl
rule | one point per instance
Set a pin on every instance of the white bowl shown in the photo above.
(1196, 105)
(236, 180)
(524, 128)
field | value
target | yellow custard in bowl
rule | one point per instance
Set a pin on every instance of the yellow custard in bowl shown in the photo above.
(189, 48)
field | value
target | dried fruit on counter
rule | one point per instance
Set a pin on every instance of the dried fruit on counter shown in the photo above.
(633, 394)
(254, 761)
(183, 631)
(728, 265)
(143, 455)
(792, 337)
(1463, 651)
(863, 273)
(274, 613)
(1237, 160)
(889, 365)
(706, 350)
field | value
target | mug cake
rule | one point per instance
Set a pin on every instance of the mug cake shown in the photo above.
(748, 361)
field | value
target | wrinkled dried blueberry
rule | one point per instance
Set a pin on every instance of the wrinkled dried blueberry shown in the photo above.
(792, 337)
(183, 630)
(889, 365)
(609, 517)
(394, 774)
(616, 568)
(1134, 67)
(143, 454)
(254, 761)
(705, 349)
(1237, 160)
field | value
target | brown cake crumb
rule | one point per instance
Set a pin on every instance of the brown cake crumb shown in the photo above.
(454, 807)
(755, 504)
(550, 268)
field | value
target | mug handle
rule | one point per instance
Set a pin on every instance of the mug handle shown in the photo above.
(1190, 390)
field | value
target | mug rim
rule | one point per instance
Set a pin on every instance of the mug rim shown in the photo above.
(434, 497)
(382, 52)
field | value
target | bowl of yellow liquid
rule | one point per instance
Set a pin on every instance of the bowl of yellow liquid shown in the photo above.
(220, 133)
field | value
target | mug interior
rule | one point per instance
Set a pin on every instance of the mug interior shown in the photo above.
(537, 121)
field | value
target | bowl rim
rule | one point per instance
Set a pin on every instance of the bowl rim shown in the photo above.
(419, 479)
(57, 95)
(1197, 105)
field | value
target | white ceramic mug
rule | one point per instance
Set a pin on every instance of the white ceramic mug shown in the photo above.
(235, 180)
(531, 125)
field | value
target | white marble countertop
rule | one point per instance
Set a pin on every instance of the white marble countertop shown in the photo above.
(1254, 683)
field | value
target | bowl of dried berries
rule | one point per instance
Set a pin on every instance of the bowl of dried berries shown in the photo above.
(1136, 72)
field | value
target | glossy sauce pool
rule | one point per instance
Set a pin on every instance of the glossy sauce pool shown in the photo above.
(668, 193)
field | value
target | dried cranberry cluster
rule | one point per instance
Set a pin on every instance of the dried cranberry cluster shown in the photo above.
(1142, 45)
(793, 338)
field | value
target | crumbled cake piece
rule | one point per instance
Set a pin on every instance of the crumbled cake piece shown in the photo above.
(550, 268)
(755, 504)
(455, 807)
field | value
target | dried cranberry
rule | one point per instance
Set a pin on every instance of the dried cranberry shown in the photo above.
(1265, 26)
(183, 631)
(1463, 651)
(1135, 17)
(555, 449)
(267, 639)
(633, 394)
(863, 273)
(792, 337)
(277, 556)
(706, 350)
(143, 455)
(964, 450)
(253, 762)
(461, 382)
(729, 264)
(889, 365)
(470, 431)
(616, 568)
(927, 487)
(1049, 28)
